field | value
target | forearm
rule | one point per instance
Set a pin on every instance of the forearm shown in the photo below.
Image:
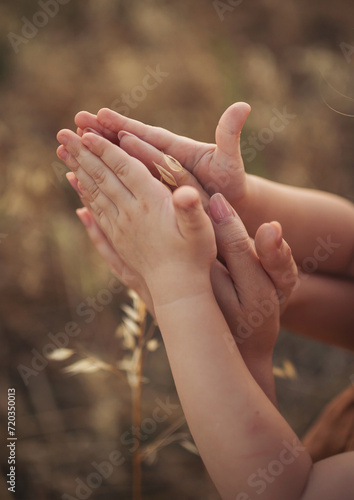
(319, 227)
(227, 412)
(322, 307)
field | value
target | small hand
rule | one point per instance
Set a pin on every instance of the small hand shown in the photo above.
(119, 268)
(151, 229)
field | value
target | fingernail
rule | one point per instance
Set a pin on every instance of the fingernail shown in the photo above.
(278, 233)
(84, 216)
(63, 139)
(80, 188)
(91, 131)
(86, 141)
(63, 154)
(72, 180)
(122, 133)
(220, 210)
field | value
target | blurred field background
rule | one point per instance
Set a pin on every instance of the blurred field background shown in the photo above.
(272, 54)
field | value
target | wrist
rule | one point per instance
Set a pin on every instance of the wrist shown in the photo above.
(168, 285)
(244, 203)
(246, 206)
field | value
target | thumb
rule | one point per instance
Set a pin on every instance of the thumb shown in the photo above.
(228, 133)
(277, 260)
(190, 214)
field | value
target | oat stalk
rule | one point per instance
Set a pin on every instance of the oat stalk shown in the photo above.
(137, 395)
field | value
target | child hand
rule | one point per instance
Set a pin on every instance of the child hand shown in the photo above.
(118, 267)
(154, 232)
(218, 168)
(249, 298)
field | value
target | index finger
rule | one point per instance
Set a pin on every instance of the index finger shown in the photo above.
(149, 155)
(236, 248)
(183, 148)
(130, 171)
(85, 120)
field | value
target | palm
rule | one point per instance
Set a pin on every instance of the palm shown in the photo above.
(218, 168)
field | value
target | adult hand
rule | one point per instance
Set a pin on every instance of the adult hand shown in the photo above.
(218, 168)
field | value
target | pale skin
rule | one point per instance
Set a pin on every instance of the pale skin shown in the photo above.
(307, 216)
(220, 167)
(169, 241)
(239, 301)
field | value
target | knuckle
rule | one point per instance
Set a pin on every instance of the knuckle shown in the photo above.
(99, 213)
(76, 153)
(73, 164)
(236, 242)
(104, 222)
(94, 192)
(120, 168)
(99, 175)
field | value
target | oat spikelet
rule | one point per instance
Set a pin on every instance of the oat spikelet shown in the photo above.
(288, 370)
(165, 175)
(152, 345)
(173, 163)
(88, 365)
(61, 354)
(189, 446)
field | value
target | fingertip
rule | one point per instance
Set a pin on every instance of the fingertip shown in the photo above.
(62, 152)
(190, 215)
(234, 117)
(103, 114)
(220, 209)
(74, 183)
(71, 178)
(186, 197)
(273, 251)
(79, 115)
(89, 139)
(242, 106)
(277, 260)
(269, 237)
(278, 233)
(63, 132)
(84, 216)
(82, 115)
(104, 110)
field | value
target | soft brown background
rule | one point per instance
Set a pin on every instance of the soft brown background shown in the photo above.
(272, 54)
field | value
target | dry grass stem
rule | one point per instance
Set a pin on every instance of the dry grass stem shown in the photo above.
(137, 395)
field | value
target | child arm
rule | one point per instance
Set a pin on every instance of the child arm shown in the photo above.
(244, 441)
(321, 307)
(245, 444)
(318, 226)
(236, 429)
